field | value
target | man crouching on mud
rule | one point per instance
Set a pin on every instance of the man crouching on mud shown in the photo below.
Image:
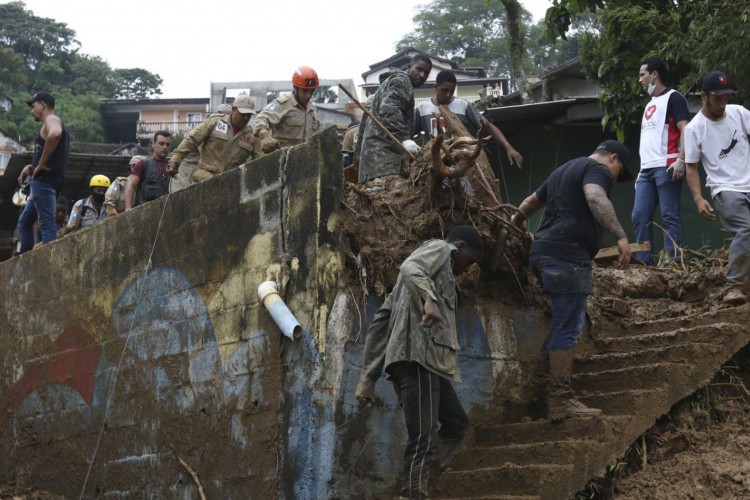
(413, 335)
(577, 209)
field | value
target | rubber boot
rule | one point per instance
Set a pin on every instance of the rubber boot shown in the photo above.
(561, 403)
(539, 381)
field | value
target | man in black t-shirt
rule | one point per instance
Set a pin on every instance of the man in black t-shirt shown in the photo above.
(47, 172)
(577, 209)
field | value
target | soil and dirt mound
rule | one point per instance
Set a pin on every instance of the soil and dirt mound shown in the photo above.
(18, 492)
(388, 218)
(699, 450)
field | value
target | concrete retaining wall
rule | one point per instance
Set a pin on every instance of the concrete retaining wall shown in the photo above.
(140, 343)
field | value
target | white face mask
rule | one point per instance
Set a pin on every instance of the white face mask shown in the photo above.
(651, 86)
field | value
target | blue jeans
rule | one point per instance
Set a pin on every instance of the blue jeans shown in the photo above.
(432, 412)
(734, 210)
(654, 185)
(40, 205)
(568, 286)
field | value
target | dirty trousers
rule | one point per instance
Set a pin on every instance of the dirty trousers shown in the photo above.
(432, 413)
(568, 286)
(734, 210)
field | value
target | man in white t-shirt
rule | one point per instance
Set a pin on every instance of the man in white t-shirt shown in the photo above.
(445, 88)
(718, 137)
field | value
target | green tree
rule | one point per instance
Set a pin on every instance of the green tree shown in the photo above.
(91, 74)
(136, 83)
(694, 37)
(42, 54)
(34, 38)
(470, 32)
(547, 52)
(13, 72)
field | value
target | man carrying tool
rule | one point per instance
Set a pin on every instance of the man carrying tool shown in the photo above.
(377, 154)
(577, 207)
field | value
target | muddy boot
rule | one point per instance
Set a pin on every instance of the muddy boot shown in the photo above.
(735, 296)
(539, 382)
(561, 403)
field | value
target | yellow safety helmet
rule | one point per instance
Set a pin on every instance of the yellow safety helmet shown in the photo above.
(99, 181)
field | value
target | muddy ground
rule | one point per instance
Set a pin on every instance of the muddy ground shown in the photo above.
(701, 449)
(19, 492)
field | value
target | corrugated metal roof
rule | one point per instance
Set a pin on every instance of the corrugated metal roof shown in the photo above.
(538, 111)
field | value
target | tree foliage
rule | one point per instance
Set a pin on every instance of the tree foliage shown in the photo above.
(34, 38)
(469, 32)
(694, 37)
(136, 83)
(42, 54)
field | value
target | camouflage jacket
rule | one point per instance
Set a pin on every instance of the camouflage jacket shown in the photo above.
(220, 148)
(393, 105)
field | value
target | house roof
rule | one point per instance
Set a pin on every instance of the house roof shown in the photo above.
(403, 58)
(562, 111)
(154, 102)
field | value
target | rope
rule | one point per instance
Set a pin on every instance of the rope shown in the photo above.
(139, 295)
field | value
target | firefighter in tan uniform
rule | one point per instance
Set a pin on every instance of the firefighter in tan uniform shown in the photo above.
(189, 164)
(224, 142)
(290, 119)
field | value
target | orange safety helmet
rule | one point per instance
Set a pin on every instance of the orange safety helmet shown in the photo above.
(305, 77)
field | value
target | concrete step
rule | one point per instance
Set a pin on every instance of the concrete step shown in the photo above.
(510, 479)
(623, 402)
(492, 497)
(715, 334)
(679, 353)
(614, 328)
(541, 431)
(633, 377)
(549, 452)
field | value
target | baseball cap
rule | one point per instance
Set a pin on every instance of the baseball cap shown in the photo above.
(244, 104)
(612, 146)
(44, 97)
(717, 83)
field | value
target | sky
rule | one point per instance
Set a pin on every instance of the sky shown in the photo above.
(238, 40)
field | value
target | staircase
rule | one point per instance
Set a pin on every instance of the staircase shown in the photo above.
(633, 371)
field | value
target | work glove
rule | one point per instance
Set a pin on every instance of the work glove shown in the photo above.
(677, 170)
(411, 146)
(268, 144)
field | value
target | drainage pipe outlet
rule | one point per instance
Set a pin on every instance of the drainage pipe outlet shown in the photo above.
(280, 313)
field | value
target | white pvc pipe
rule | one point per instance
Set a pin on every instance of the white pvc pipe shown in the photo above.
(280, 313)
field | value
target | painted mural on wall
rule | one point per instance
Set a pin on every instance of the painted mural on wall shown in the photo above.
(165, 356)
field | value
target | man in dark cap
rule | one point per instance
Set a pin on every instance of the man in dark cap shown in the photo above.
(577, 209)
(47, 171)
(717, 137)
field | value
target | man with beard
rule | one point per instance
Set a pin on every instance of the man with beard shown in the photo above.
(47, 171)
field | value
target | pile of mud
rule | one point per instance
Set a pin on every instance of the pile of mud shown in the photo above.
(700, 449)
(388, 218)
(18, 492)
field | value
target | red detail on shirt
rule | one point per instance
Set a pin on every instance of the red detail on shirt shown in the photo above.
(650, 111)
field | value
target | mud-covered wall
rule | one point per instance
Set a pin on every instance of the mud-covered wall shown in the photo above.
(140, 342)
(135, 358)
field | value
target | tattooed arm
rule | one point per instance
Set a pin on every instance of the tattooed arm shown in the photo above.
(604, 212)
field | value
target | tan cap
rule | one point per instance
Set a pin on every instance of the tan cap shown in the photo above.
(244, 104)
